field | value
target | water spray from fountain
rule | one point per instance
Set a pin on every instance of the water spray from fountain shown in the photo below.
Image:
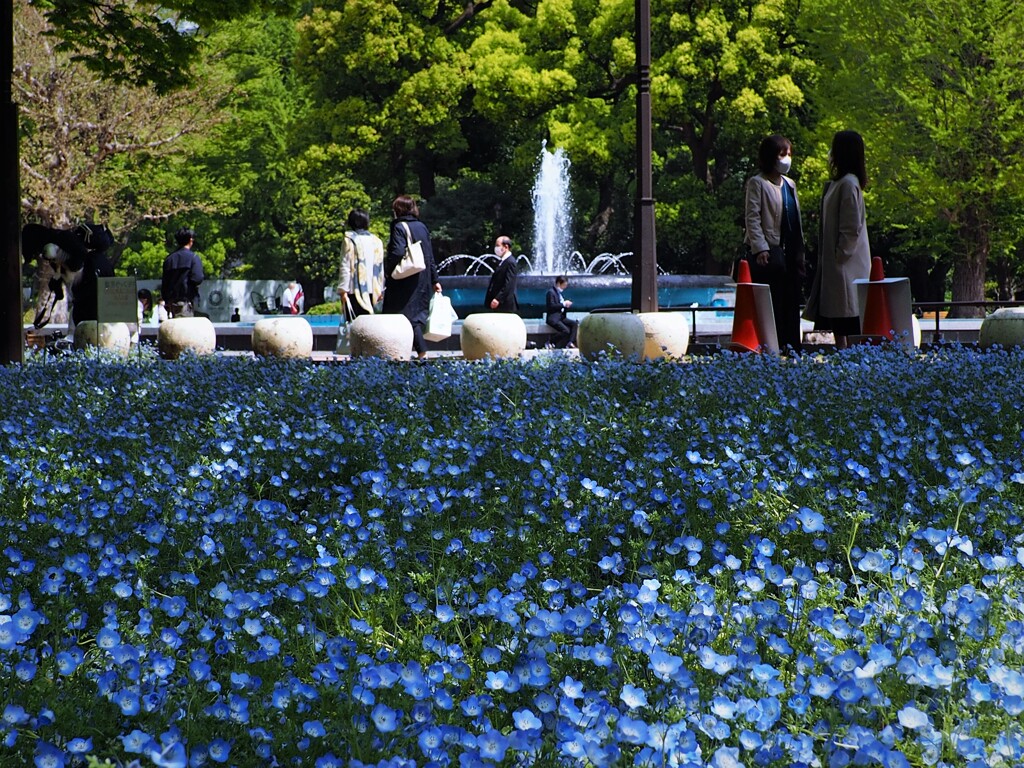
(552, 211)
(553, 253)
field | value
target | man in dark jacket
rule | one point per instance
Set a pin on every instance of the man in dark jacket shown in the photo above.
(501, 290)
(556, 305)
(183, 273)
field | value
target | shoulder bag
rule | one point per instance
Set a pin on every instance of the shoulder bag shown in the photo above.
(412, 262)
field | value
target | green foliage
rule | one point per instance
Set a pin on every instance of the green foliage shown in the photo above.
(327, 308)
(935, 89)
(349, 102)
(725, 75)
(126, 41)
(144, 261)
(316, 229)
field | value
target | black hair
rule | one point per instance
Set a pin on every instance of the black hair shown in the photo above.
(561, 280)
(184, 236)
(847, 156)
(358, 219)
(769, 151)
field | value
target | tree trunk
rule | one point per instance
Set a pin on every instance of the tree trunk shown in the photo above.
(1005, 283)
(425, 174)
(59, 313)
(969, 271)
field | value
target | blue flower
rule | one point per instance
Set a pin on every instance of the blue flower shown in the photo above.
(525, 720)
(48, 756)
(384, 718)
(136, 742)
(219, 750)
(633, 697)
(171, 756)
(492, 745)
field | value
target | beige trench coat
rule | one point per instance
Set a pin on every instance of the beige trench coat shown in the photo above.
(843, 253)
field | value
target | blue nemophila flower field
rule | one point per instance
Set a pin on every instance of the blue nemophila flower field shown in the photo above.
(736, 561)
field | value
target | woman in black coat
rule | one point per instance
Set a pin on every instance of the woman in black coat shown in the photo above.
(410, 296)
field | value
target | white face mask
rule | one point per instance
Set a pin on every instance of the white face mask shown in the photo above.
(498, 250)
(783, 164)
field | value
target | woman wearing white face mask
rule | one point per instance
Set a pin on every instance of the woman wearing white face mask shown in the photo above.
(774, 236)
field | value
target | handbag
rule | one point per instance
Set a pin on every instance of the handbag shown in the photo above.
(344, 346)
(439, 321)
(412, 262)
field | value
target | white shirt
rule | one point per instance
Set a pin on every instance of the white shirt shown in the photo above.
(292, 300)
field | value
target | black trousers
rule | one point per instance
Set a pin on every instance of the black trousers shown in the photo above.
(565, 331)
(784, 286)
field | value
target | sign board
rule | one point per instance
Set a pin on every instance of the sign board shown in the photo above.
(117, 300)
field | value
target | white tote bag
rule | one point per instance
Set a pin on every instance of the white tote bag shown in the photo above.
(439, 321)
(413, 262)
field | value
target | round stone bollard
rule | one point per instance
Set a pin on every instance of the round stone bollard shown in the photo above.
(492, 334)
(186, 334)
(1004, 327)
(666, 334)
(116, 337)
(617, 333)
(387, 336)
(290, 337)
(915, 331)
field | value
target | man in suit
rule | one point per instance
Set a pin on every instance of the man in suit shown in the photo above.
(557, 305)
(501, 290)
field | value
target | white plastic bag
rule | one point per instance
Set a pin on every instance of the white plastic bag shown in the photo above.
(439, 321)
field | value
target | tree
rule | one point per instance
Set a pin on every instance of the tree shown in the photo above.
(726, 73)
(936, 88)
(91, 148)
(98, 151)
(124, 40)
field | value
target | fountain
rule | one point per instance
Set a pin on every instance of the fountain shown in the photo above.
(602, 282)
(552, 213)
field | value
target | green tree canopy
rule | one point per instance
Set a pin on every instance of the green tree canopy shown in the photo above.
(936, 88)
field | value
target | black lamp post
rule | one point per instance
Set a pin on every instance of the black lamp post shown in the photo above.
(10, 204)
(645, 261)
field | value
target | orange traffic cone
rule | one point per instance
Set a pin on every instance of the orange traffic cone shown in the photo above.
(744, 323)
(877, 316)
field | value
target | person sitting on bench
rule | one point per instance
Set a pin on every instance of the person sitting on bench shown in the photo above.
(557, 305)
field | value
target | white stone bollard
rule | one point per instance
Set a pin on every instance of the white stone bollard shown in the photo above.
(290, 337)
(666, 334)
(116, 337)
(492, 334)
(1004, 327)
(619, 333)
(915, 331)
(186, 334)
(387, 336)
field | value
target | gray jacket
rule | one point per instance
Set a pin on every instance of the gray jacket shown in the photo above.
(763, 212)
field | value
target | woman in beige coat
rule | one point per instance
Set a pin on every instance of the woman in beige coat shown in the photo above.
(843, 251)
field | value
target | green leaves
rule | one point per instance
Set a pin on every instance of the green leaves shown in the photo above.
(131, 42)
